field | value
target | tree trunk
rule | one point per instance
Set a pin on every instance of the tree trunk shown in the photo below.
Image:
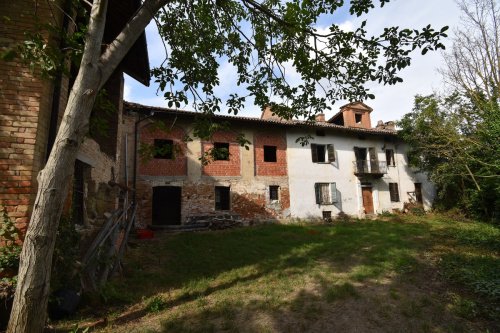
(30, 301)
(33, 285)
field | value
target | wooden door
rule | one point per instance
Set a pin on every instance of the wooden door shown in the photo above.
(367, 200)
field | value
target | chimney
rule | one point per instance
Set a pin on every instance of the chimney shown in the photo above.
(267, 113)
(390, 125)
(320, 118)
(380, 124)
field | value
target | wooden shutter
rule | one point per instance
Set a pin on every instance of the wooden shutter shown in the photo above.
(317, 191)
(394, 192)
(331, 153)
(333, 192)
(314, 152)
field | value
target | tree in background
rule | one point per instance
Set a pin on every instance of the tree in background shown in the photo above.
(455, 137)
(258, 38)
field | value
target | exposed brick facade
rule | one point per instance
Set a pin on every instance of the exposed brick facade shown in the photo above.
(164, 167)
(25, 106)
(273, 139)
(232, 167)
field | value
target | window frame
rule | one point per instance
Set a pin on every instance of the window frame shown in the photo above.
(274, 189)
(332, 188)
(159, 144)
(328, 153)
(390, 157)
(356, 115)
(274, 153)
(394, 192)
(215, 155)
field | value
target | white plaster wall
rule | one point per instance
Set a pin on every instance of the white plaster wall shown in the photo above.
(303, 174)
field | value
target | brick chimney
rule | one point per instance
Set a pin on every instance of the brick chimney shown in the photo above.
(380, 124)
(267, 113)
(320, 118)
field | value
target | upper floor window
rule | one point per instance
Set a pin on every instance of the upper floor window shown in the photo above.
(389, 157)
(221, 151)
(326, 193)
(269, 153)
(163, 149)
(322, 153)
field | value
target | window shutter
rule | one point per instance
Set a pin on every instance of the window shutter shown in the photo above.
(331, 153)
(394, 192)
(317, 191)
(314, 152)
(333, 192)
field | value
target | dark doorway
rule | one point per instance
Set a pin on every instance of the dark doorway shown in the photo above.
(222, 198)
(166, 205)
(80, 176)
(418, 193)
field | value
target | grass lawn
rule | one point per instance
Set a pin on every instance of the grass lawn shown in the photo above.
(399, 274)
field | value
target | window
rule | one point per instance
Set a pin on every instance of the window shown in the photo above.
(322, 153)
(358, 117)
(394, 191)
(326, 193)
(163, 149)
(389, 157)
(221, 151)
(327, 216)
(222, 197)
(269, 153)
(274, 192)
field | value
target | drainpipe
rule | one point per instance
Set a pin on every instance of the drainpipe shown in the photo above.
(136, 139)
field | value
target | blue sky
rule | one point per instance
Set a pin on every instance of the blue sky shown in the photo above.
(390, 103)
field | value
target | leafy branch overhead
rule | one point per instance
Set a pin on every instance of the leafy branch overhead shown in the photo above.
(262, 39)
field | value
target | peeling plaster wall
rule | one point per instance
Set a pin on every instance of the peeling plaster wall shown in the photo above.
(303, 174)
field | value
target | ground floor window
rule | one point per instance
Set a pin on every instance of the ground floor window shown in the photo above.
(222, 198)
(274, 192)
(326, 193)
(394, 191)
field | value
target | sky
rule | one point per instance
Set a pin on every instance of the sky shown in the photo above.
(390, 103)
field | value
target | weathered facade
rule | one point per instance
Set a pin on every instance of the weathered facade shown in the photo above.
(31, 108)
(172, 189)
(354, 169)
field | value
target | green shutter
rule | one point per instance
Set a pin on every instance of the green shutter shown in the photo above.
(333, 192)
(318, 194)
(331, 153)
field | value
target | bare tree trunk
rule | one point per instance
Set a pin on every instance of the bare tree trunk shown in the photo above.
(30, 301)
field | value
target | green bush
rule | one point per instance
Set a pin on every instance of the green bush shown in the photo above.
(10, 249)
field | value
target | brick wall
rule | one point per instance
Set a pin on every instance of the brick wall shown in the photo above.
(25, 106)
(277, 139)
(350, 120)
(232, 167)
(159, 166)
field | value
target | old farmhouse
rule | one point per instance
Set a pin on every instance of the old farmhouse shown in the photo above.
(347, 167)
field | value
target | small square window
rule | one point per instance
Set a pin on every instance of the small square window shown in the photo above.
(327, 216)
(358, 117)
(274, 193)
(221, 151)
(269, 153)
(163, 149)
